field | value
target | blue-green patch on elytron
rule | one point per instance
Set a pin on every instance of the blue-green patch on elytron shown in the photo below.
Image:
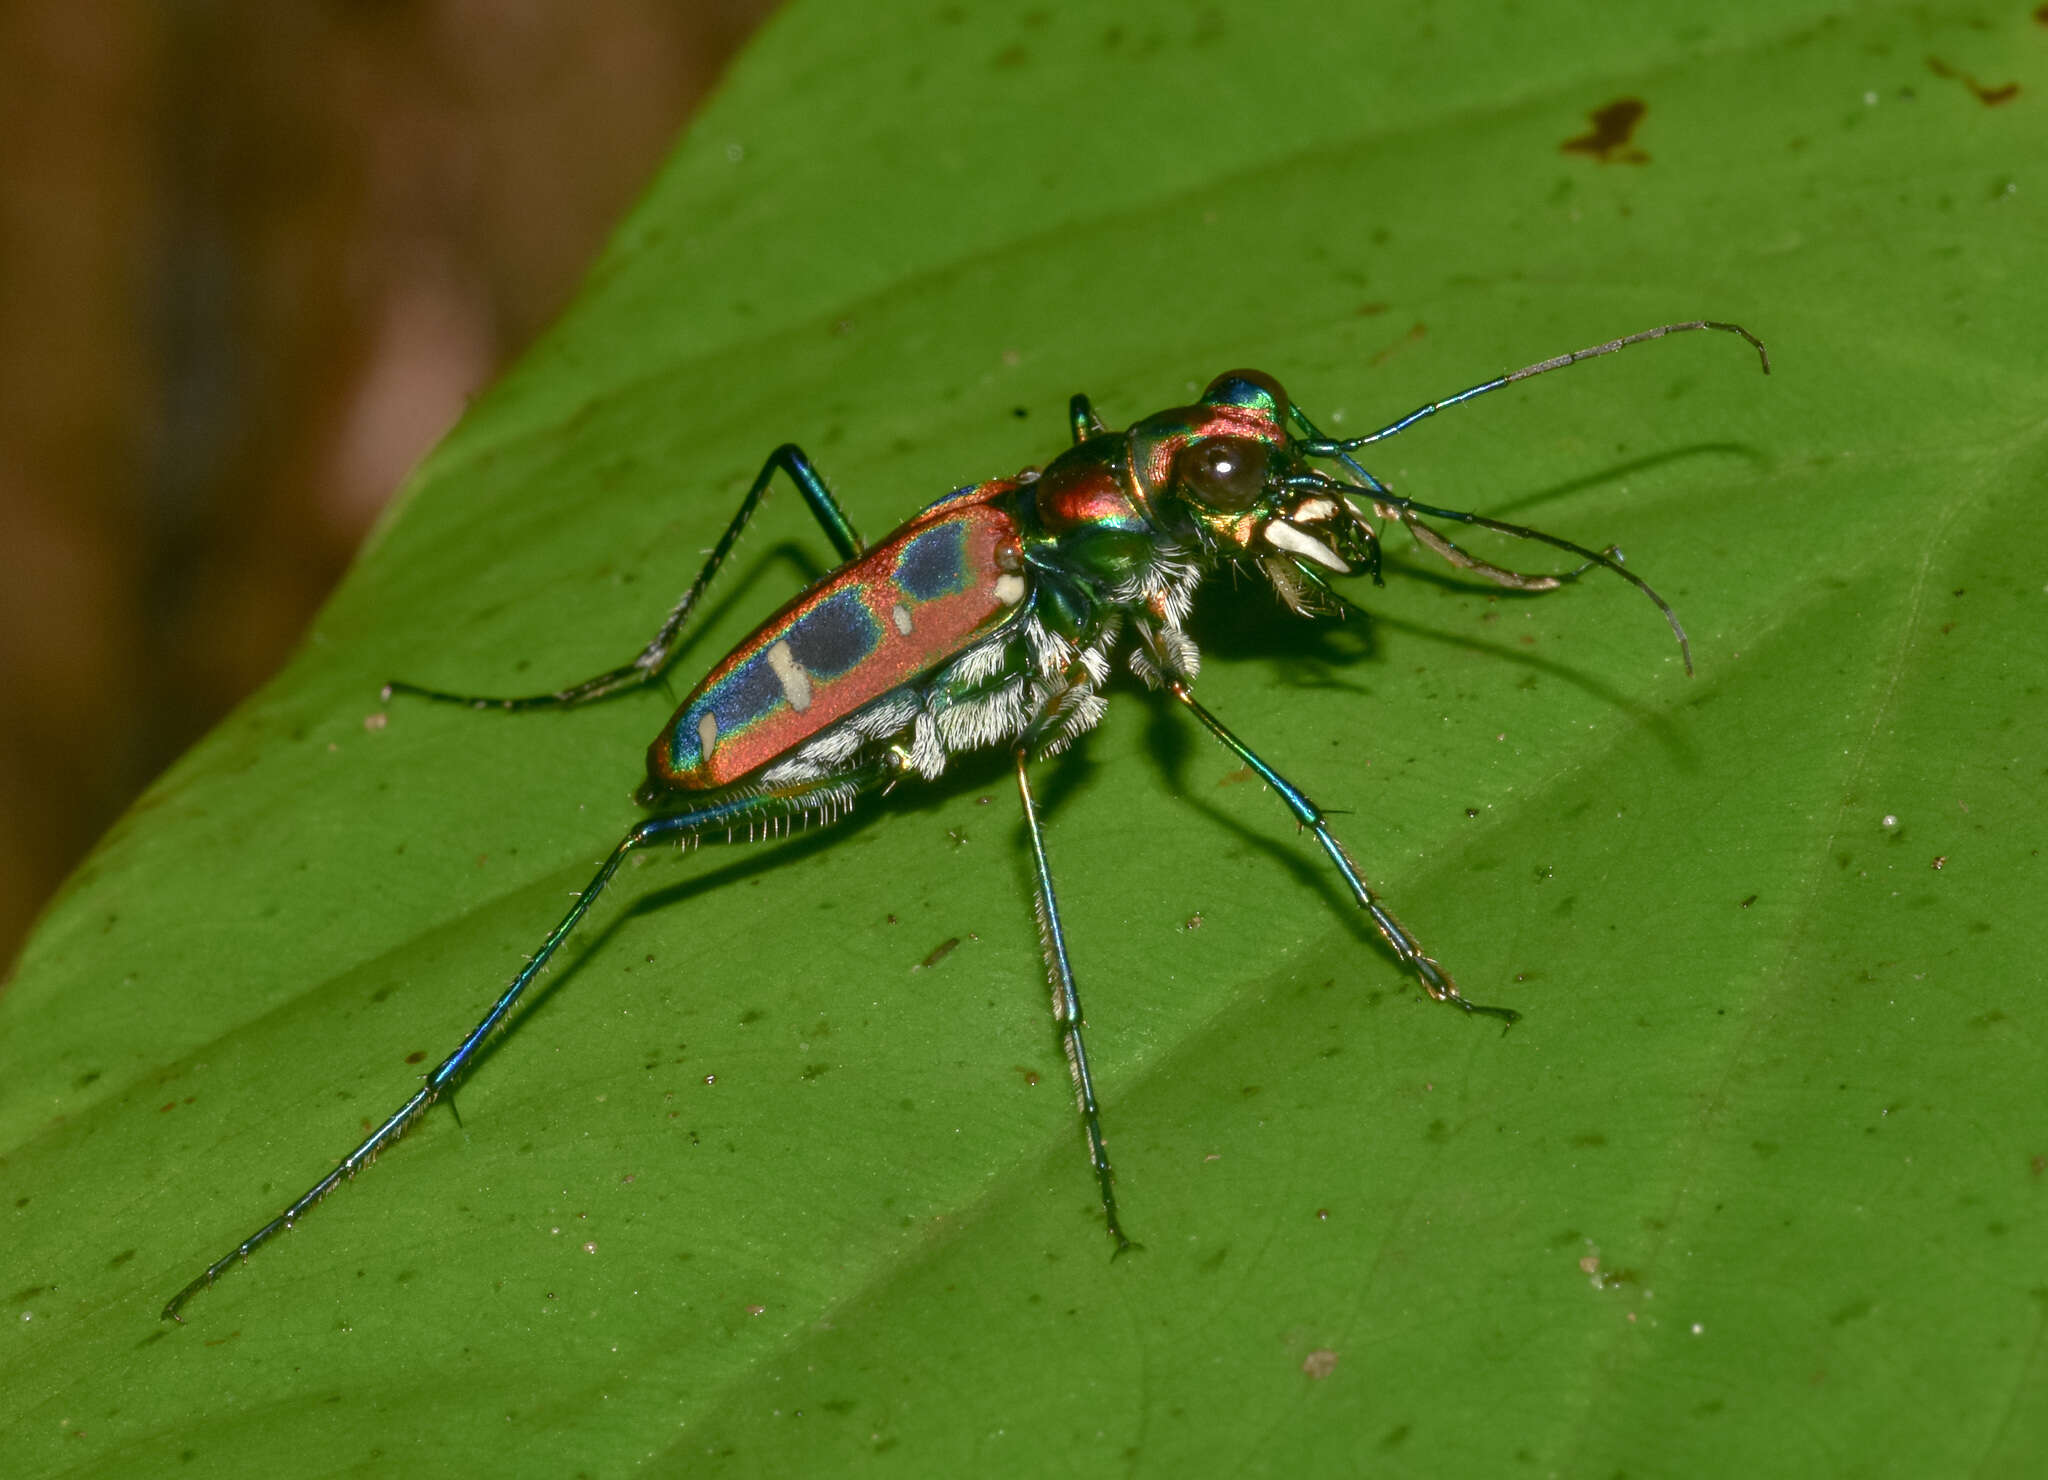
(934, 564)
(834, 636)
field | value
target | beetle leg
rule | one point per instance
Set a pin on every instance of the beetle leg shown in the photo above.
(1463, 559)
(648, 666)
(729, 818)
(1066, 1005)
(1082, 418)
(1435, 980)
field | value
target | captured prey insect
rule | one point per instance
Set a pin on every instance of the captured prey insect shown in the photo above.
(992, 619)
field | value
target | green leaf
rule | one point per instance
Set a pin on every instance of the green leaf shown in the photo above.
(770, 1181)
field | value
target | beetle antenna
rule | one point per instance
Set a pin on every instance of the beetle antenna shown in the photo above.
(1319, 445)
(1408, 507)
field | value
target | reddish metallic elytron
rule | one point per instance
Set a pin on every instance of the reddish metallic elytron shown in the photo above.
(994, 618)
(867, 631)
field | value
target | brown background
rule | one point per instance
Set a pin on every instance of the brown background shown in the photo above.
(253, 260)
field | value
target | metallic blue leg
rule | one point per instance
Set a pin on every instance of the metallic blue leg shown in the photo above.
(761, 814)
(1082, 418)
(648, 666)
(1066, 1007)
(1435, 980)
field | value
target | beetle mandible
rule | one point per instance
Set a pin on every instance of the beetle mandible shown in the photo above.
(993, 618)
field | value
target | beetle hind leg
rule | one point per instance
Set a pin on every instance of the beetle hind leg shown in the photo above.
(713, 818)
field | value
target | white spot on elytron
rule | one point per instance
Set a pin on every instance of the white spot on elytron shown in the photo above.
(796, 684)
(707, 733)
(1316, 510)
(900, 614)
(1284, 536)
(1009, 589)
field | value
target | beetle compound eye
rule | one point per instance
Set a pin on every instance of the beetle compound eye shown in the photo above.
(1226, 473)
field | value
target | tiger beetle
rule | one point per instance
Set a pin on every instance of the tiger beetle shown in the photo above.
(992, 618)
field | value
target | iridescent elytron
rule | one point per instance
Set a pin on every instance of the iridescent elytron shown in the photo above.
(993, 618)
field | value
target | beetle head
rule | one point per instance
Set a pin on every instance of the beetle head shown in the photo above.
(1226, 473)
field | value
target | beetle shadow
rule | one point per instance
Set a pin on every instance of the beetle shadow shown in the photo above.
(1339, 654)
(1616, 472)
(1172, 738)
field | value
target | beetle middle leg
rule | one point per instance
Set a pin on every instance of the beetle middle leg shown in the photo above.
(1066, 1004)
(647, 667)
(1435, 980)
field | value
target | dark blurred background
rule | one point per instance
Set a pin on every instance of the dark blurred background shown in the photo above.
(254, 258)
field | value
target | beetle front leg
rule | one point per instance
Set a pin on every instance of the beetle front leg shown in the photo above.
(647, 667)
(1435, 980)
(1066, 1006)
(1082, 418)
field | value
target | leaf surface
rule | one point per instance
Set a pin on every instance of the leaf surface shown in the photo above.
(780, 1173)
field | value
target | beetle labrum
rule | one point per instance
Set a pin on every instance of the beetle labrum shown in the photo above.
(992, 618)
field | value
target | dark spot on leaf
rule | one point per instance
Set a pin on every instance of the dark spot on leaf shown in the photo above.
(1990, 97)
(1854, 1311)
(1609, 139)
